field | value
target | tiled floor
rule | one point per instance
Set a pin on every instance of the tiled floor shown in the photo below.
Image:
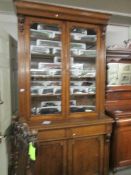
(123, 172)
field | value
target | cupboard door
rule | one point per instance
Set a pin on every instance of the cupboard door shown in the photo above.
(122, 147)
(83, 68)
(87, 156)
(46, 67)
(52, 158)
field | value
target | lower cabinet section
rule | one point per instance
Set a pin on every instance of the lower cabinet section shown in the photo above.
(82, 154)
(69, 150)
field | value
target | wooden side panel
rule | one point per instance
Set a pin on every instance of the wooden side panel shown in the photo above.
(124, 105)
(121, 143)
(119, 95)
(118, 98)
(122, 155)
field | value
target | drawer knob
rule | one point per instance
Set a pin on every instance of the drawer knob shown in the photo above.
(74, 134)
(56, 15)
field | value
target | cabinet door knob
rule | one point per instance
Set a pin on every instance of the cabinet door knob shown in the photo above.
(74, 134)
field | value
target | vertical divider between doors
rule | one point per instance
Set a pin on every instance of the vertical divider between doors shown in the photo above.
(64, 55)
(67, 67)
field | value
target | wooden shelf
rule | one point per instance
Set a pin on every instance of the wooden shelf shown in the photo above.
(83, 57)
(45, 95)
(44, 38)
(119, 51)
(91, 43)
(83, 94)
(83, 78)
(119, 56)
(42, 55)
(45, 77)
(119, 88)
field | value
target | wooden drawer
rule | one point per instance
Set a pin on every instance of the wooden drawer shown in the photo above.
(88, 131)
(52, 134)
(118, 95)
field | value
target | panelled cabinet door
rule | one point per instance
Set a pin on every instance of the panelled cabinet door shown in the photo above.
(87, 156)
(122, 147)
(52, 158)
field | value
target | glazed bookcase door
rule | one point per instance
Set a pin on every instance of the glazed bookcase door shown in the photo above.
(83, 69)
(46, 65)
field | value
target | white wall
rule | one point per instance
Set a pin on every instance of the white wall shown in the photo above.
(5, 108)
(130, 32)
(116, 34)
(8, 22)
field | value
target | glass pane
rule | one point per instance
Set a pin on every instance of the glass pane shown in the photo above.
(83, 70)
(119, 74)
(45, 69)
